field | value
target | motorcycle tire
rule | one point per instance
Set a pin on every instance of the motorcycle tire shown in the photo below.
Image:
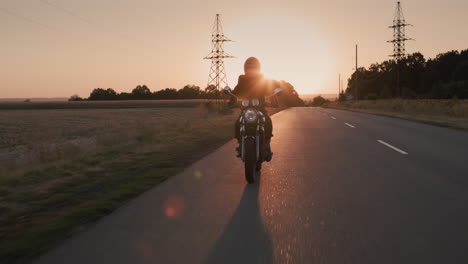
(250, 162)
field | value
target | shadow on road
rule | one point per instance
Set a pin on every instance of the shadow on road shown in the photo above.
(244, 240)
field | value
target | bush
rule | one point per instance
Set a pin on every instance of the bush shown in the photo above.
(103, 94)
(75, 97)
(319, 101)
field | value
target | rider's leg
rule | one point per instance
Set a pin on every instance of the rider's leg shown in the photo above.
(237, 129)
(268, 135)
(237, 136)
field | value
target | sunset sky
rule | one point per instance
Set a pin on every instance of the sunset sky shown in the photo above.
(56, 48)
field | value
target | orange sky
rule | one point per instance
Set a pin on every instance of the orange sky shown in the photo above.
(70, 47)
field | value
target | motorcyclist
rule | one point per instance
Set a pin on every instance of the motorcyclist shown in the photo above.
(252, 85)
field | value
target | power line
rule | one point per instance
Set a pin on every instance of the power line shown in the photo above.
(79, 17)
(64, 10)
(24, 18)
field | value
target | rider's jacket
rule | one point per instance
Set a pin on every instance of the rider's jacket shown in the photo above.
(254, 86)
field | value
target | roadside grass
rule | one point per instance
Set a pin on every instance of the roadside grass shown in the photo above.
(124, 153)
(446, 113)
(94, 187)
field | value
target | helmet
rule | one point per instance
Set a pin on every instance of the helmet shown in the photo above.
(252, 65)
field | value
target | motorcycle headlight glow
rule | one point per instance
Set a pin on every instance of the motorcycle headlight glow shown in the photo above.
(255, 102)
(245, 103)
(250, 115)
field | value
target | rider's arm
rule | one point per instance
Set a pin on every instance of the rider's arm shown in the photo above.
(238, 88)
(276, 84)
(232, 101)
(235, 91)
(272, 85)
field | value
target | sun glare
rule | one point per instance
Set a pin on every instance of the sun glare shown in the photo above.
(287, 48)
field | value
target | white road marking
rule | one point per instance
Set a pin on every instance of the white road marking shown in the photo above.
(333, 117)
(392, 147)
(351, 126)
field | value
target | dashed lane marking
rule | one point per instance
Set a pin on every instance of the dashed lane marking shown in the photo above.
(392, 147)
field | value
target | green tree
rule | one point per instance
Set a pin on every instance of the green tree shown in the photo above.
(141, 92)
(319, 101)
(189, 92)
(103, 94)
(75, 97)
(441, 77)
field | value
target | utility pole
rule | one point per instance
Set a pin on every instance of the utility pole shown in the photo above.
(342, 86)
(217, 75)
(357, 74)
(339, 86)
(399, 40)
(356, 56)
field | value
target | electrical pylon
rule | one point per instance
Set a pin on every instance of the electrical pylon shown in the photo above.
(399, 41)
(217, 76)
(399, 34)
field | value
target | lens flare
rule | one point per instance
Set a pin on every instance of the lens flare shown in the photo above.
(144, 248)
(174, 207)
(197, 174)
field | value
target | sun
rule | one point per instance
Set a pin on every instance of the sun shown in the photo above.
(287, 49)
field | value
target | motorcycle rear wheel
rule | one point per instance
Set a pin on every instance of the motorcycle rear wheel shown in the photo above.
(250, 162)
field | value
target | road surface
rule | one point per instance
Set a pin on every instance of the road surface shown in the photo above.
(343, 187)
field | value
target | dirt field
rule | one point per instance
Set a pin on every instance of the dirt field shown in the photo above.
(62, 169)
(30, 137)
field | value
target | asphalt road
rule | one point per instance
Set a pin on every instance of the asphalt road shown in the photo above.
(343, 187)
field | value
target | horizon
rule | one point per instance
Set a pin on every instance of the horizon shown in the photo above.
(91, 44)
(59, 99)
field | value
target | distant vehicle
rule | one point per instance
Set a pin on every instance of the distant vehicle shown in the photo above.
(252, 130)
(349, 97)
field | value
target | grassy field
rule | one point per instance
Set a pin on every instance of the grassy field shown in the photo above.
(447, 113)
(99, 104)
(63, 169)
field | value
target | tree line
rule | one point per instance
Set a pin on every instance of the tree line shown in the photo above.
(142, 92)
(413, 77)
(290, 97)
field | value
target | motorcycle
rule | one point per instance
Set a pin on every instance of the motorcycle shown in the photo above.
(252, 134)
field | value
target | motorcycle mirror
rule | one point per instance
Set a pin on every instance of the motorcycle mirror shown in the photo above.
(227, 90)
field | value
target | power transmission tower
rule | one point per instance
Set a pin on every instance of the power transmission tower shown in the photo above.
(399, 34)
(399, 40)
(217, 75)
